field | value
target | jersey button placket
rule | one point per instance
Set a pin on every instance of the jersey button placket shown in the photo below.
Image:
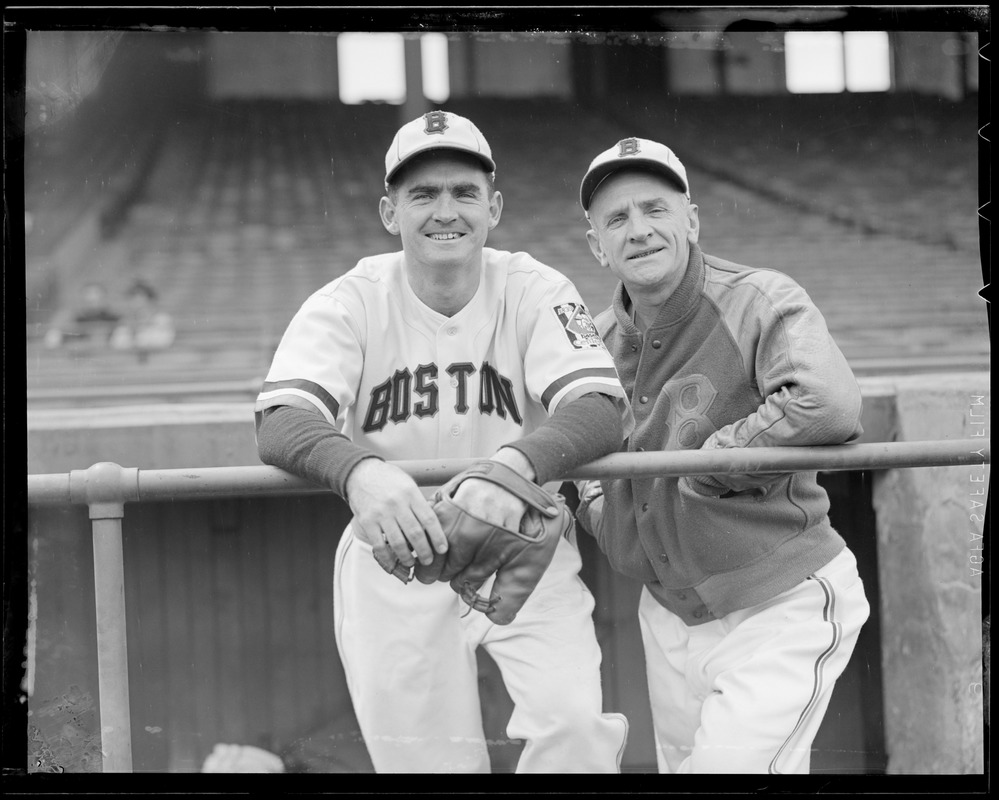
(452, 442)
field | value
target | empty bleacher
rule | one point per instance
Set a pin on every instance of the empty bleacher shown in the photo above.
(242, 209)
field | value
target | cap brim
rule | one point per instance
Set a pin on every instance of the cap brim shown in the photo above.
(487, 162)
(593, 179)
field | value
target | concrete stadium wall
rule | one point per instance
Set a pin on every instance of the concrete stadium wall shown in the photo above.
(146, 437)
(299, 65)
(927, 62)
(509, 65)
(499, 64)
(929, 529)
(935, 63)
(65, 66)
(691, 62)
(930, 539)
(754, 63)
(272, 65)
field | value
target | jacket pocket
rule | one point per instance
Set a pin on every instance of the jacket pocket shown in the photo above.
(725, 529)
(700, 485)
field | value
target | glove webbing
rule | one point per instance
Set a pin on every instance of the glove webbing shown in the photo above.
(512, 481)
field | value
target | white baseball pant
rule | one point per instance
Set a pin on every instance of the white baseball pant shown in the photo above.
(409, 656)
(747, 693)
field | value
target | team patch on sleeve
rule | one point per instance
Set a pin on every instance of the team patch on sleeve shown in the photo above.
(579, 328)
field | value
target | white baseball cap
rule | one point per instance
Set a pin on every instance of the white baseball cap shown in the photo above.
(632, 152)
(437, 130)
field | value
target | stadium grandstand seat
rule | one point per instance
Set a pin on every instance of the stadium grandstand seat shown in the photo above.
(240, 209)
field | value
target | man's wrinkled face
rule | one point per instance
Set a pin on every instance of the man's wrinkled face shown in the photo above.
(642, 227)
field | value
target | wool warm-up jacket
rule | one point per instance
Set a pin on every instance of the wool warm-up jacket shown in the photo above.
(738, 357)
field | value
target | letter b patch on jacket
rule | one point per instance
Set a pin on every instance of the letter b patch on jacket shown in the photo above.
(688, 424)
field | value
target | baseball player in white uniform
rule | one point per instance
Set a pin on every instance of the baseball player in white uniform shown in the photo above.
(449, 349)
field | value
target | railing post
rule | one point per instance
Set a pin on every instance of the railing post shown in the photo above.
(105, 487)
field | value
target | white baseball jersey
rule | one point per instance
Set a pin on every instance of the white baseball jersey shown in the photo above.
(408, 382)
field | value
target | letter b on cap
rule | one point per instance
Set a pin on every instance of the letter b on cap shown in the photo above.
(629, 147)
(436, 122)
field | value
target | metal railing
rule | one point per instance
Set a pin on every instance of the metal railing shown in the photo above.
(106, 487)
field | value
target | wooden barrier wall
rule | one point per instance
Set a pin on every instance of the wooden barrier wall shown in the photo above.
(229, 603)
(230, 639)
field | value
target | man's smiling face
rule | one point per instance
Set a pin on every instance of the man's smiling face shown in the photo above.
(443, 208)
(642, 229)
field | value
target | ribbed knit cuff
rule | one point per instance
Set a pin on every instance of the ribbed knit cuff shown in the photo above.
(577, 433)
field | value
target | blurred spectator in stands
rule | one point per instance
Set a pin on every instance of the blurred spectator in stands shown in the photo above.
(93, 322)
(145, 326)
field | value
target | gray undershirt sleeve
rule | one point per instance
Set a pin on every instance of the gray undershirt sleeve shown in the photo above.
(303, 443)
(577, 433)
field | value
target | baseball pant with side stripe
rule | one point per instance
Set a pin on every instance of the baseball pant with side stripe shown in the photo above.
(746, 693)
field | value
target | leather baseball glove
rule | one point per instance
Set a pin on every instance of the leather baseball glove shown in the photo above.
(477, 549)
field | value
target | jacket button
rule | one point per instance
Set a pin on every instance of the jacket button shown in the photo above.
(663, 557)
(657, 344)
(644, 399)
(698, 615)
(645, 506)
(634, 348)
